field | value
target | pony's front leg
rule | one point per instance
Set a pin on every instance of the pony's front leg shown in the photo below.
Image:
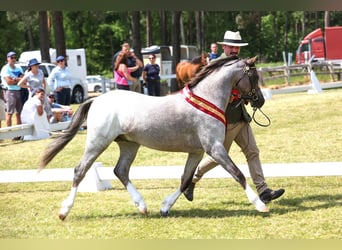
(169, 202)
(220, 156)
(67, 204)
(137, 198)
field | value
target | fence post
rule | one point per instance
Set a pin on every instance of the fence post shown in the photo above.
(92, 182)
(287, 75)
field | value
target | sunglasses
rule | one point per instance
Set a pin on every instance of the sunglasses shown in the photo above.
(60, 61)
(13, 57)
(51, 96)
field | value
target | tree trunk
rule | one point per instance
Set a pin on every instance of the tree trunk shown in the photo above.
(30, 37)
(44, 36)
(136, 41)
(175, 42)
(286, 30)
(182, 34)
(163, 22)
(149, 37)
(199, 29)
(303, 24)
(57, 22)
(275, 38)
(190, 27)
(326, 19)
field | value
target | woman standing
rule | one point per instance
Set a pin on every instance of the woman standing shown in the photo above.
(33, 80)
(122, 74)
(151, 76)
(59, 81)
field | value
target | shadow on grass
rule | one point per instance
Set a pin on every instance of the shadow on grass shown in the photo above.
(281, 206)
(311, 202)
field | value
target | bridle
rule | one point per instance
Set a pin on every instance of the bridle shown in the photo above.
(252, 95)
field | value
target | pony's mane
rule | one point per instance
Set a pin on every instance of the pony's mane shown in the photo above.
(210, 68)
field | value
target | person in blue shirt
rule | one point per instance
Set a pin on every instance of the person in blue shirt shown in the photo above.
(59, 81)
(10, 76)
(213, 54)
(151, 76)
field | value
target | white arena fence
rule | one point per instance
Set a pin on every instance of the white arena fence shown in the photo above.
(27, 129)
(98, 177)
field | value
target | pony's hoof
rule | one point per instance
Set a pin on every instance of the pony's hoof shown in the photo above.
(143, 210)
(164, 213)
(263, 209)
(61, 217)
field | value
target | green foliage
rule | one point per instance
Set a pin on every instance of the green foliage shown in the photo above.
(101, 33)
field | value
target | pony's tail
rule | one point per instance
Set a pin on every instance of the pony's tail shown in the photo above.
(59, 143)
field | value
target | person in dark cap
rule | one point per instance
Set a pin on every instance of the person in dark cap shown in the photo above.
(59, 81)
(238, 130)
(10, 76)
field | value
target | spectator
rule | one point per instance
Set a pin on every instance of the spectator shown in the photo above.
(10, 76)
(61, 113)
(238, 130)
(33, 113)
(2, 105)
(34, 79)
(151, 76)
(59, 81)
(213, 54)
(122, 76)
(132, 62)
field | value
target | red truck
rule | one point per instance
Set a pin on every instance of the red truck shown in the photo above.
(321, 46)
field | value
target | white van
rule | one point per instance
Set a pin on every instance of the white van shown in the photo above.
(76, 61)
(79, 90)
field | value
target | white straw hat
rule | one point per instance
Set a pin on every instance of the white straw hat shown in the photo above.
(233, 39)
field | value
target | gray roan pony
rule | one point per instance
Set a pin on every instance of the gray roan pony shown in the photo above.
(191, 121)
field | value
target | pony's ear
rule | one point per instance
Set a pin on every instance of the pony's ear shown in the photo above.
(252, 60)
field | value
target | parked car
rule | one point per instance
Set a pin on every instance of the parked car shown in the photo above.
(79, 89)
(94, 83)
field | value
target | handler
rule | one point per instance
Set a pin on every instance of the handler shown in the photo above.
(238, 130)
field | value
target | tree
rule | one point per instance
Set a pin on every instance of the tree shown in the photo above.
(149, 31)
(136, 41)
(44, 34)
(57, 21)
(175, 42)
(326, 19)
(163, 24)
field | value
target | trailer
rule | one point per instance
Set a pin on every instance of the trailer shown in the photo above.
(321, 46)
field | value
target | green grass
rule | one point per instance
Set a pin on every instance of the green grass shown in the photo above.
(305, 128)
(220, 211)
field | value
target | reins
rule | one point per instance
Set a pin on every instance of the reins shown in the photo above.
(254, 111)
(260, 124)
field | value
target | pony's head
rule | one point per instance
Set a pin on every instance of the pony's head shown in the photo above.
(248, 84)
(201, 60)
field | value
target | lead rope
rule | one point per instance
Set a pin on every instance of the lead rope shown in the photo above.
(268, 119)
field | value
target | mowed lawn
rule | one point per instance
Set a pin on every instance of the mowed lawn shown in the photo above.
(305, 128)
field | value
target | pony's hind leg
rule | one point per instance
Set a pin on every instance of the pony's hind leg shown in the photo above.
(128, 152)
(90, 155)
